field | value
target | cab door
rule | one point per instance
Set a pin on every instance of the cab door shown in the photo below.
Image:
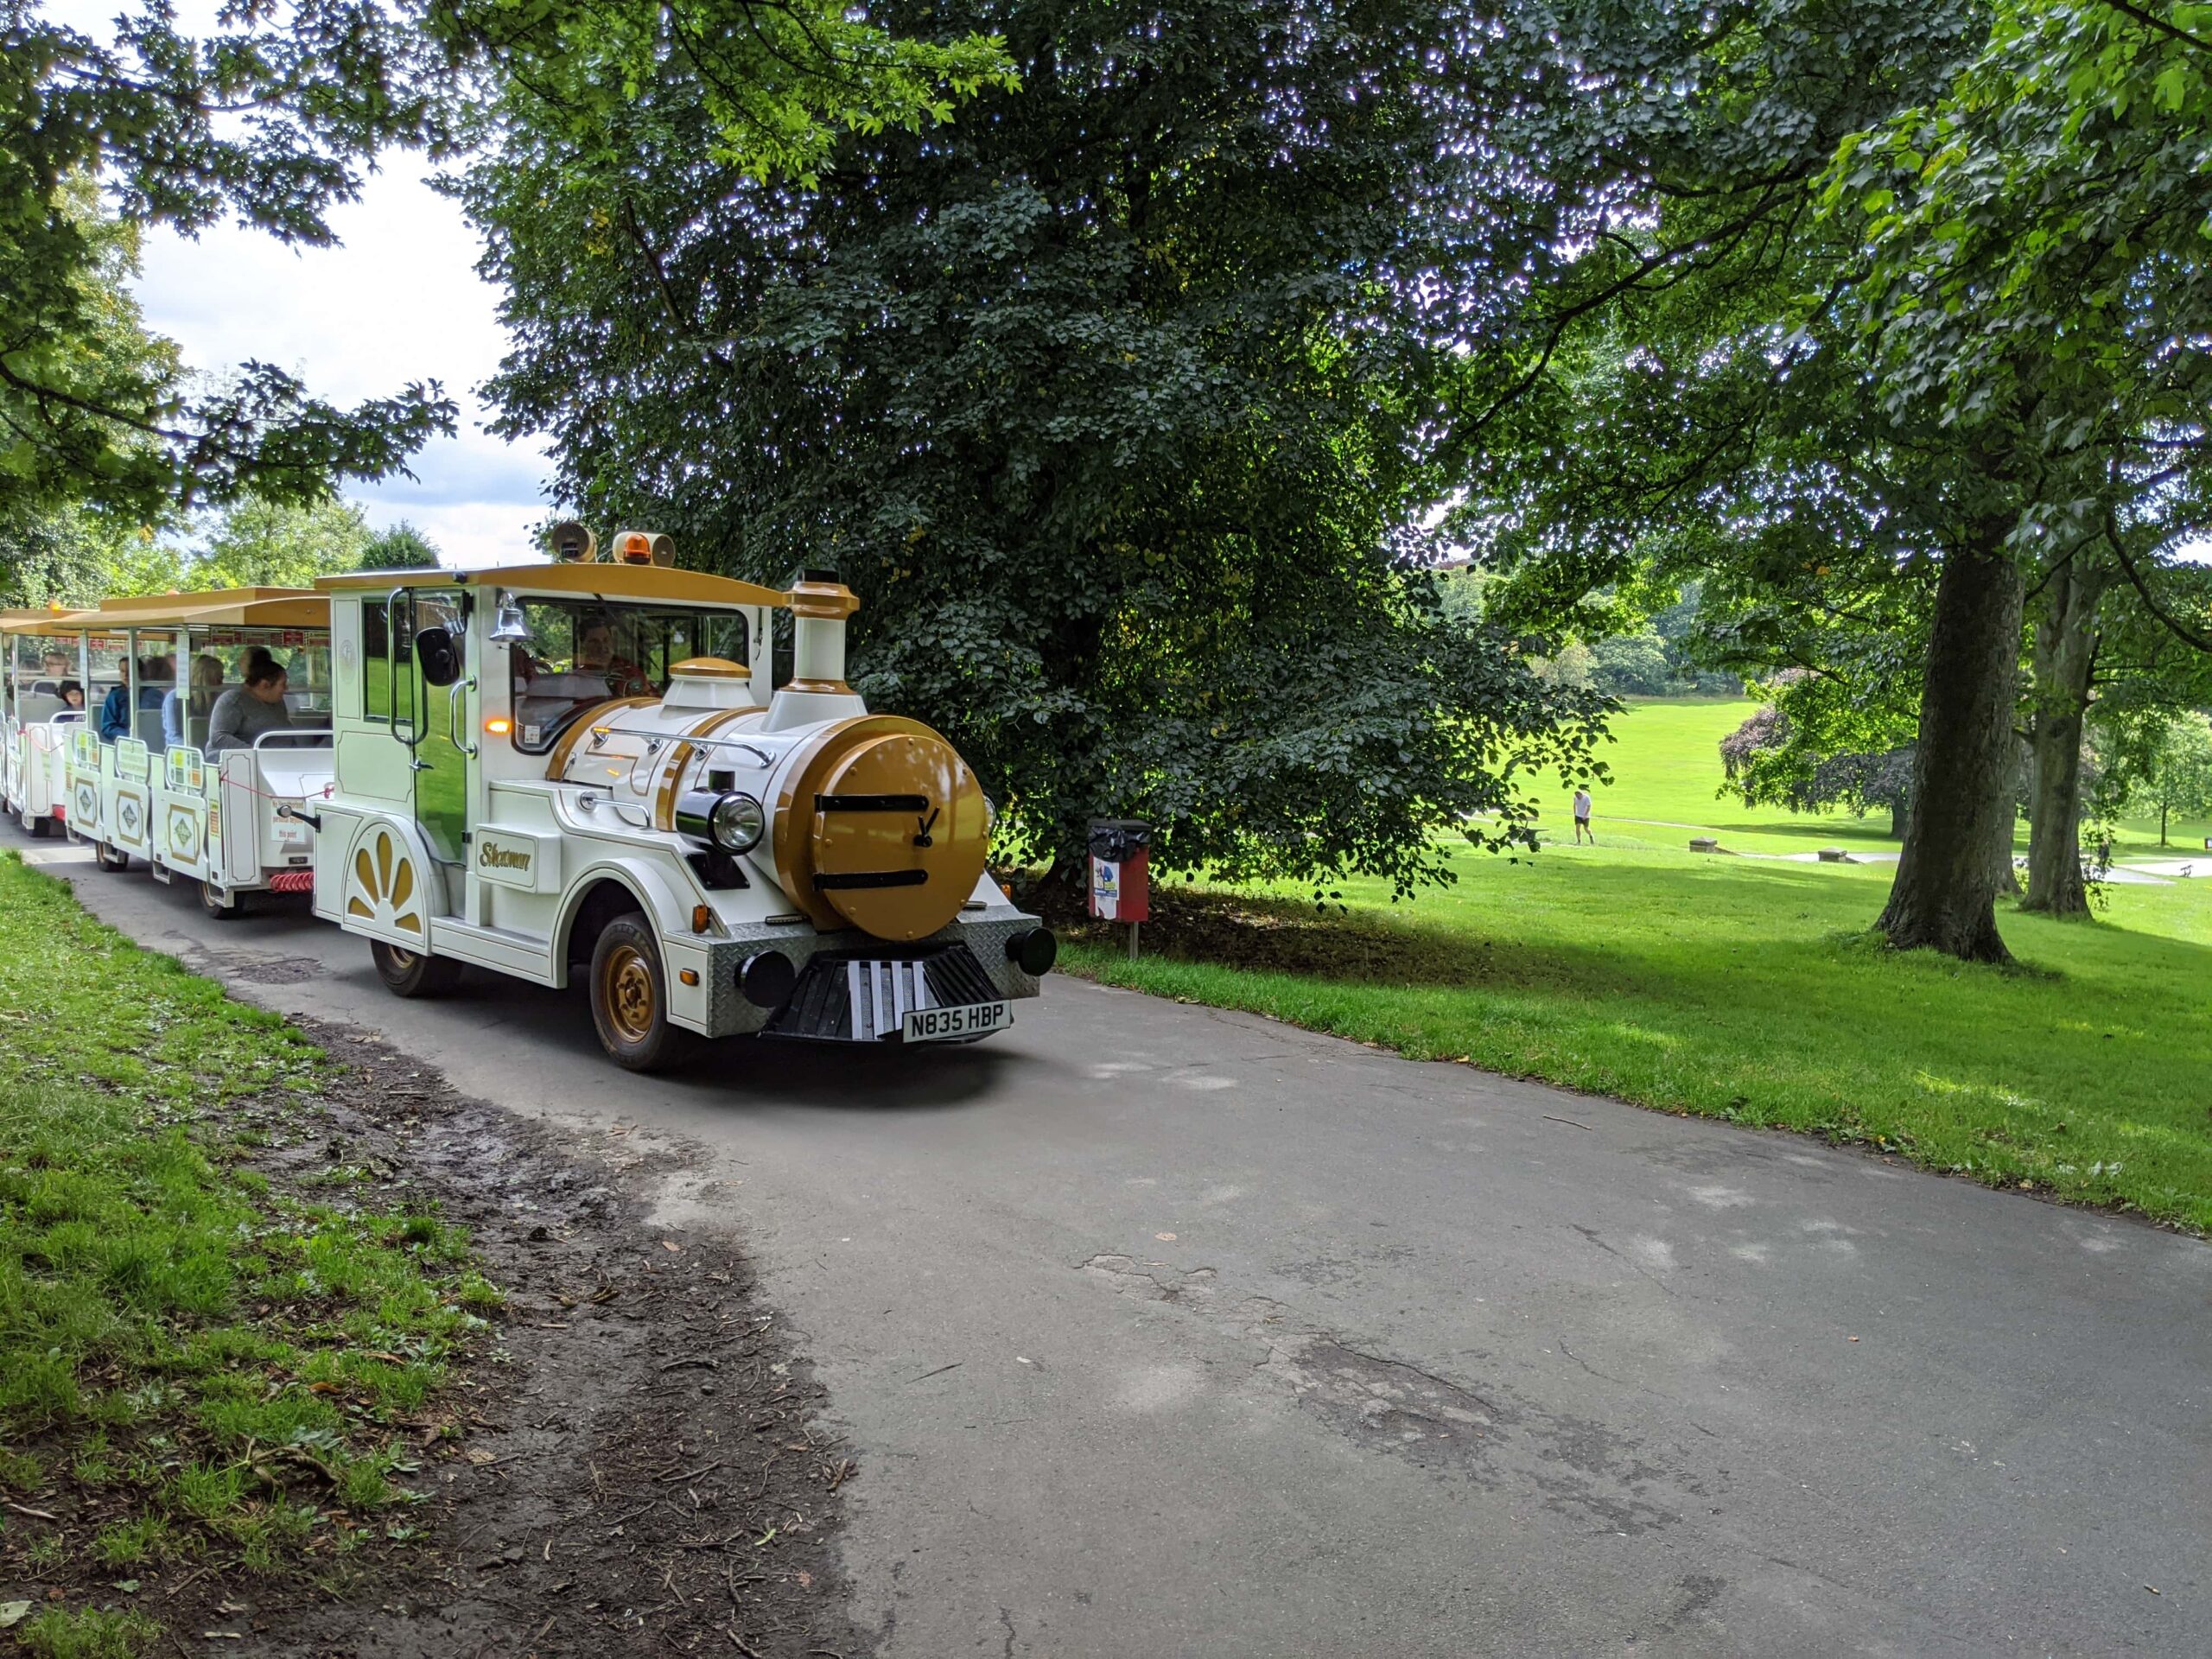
(442, 721)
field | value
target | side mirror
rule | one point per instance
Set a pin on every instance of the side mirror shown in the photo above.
(439, 654)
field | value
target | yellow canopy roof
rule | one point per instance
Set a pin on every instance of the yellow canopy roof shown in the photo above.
(252, 607)
(653, 583)
(261, 607)
(41, 621)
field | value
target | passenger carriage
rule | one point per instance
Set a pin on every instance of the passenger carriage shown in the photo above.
(222, 821)
(46, 653)
(584, 767)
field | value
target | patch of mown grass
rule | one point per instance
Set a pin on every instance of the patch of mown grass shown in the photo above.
(1751, 991)
(89, 1633)
(192, 1365)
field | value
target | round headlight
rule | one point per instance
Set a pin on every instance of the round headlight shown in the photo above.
(737, 824)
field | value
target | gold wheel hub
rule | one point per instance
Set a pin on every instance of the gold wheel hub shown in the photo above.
(625, 991)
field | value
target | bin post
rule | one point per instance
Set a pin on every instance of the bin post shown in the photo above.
(1121, 889)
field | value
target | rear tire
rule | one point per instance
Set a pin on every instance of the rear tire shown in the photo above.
(113, 859)
(36, 829)
(224, 907)
(408, 973)
(629, 998)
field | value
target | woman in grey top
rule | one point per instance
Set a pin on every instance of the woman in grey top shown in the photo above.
(247, 710)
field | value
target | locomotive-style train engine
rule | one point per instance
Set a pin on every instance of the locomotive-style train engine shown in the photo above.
(585, 767)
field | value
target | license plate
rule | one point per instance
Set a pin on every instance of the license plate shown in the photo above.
(935, 1024)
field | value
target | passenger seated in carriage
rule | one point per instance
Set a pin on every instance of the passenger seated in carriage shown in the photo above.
(155, 675)
(185, 706)
(252, 710)
(71, 695)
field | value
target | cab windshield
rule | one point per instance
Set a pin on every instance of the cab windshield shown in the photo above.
(579, 653)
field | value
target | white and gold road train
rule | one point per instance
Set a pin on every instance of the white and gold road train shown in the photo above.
(581, 766)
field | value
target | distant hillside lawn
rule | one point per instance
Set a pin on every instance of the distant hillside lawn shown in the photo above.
(1745, 987)
(1666, 764)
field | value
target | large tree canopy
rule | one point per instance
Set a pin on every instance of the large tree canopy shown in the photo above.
(1116, 400)
(271, 118)
(1917, 384)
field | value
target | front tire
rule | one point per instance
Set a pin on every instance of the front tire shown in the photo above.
(223, 907)
(408, 973)
(629, 998)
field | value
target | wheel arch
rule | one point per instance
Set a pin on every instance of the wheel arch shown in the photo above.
(600, 893)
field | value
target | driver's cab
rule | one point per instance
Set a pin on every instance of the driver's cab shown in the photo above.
(459, 697)
(575, 654)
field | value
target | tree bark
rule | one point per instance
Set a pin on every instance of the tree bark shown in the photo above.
(1945, 894)
(2006, 878)
(2065, 658)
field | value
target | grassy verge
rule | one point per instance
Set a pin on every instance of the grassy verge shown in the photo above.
(196, 1368)
(1747, 990)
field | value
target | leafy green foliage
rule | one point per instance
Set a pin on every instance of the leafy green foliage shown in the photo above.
(1107, 399)
(2173, 775)
(259, 544)
(227, 1364)
(273, 117)
(93, 408)
(69, 556)
(1817, 746)
(401, 547)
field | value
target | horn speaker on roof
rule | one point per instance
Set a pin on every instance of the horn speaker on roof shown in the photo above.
(572, 543)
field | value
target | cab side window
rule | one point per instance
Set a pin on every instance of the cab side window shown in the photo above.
(387, 676)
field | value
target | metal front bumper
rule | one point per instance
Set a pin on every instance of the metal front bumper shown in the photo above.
(983, 944)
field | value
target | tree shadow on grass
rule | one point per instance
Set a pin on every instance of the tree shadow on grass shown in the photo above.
(1262, 934)
(1794, 927)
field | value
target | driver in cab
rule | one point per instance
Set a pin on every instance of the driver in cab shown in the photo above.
(597, 674)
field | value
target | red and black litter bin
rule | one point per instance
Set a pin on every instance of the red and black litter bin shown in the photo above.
(1121, 891)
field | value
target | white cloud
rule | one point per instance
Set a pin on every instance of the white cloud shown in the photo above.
(399, 299)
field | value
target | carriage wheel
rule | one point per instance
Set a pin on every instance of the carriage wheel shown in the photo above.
(409, 973)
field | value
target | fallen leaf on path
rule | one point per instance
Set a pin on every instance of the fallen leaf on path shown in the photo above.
(13, 1612)
(670, 1244)
(1165, 1238)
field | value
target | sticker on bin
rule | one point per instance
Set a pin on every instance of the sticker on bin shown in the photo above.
(970, 1019)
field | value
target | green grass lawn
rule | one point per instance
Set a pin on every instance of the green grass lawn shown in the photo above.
(1667, 773)
(1745, 988)
(194, 1367)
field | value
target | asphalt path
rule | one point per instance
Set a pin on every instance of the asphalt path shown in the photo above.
(1162, 1331)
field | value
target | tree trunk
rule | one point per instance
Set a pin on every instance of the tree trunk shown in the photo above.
(2162, 823)
(2001, 824)
(1896, 820)
(2065, 656)
(1945, 895)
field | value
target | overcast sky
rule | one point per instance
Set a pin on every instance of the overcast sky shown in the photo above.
(399, 299)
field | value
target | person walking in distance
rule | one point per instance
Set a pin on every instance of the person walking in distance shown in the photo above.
(1582, 816)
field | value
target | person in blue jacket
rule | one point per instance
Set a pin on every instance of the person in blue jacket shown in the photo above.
(154, 676)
